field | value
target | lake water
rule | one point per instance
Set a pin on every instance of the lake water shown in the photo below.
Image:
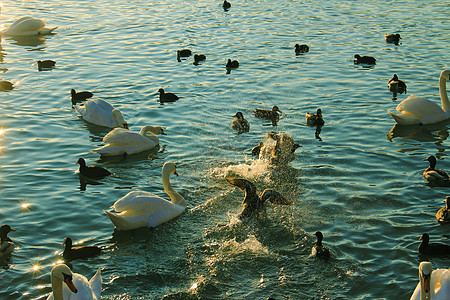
(362, 185)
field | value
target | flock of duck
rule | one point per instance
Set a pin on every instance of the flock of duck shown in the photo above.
(143, 209)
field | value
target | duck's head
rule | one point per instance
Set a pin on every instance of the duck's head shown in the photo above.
(432, 160)
(319, 236)
(81, 162)
(5, 229)
(357, 56)
(161, 91)
(447, 201)
(67, 242)
(239, 115)
(425, 238)
(395, 77)
(63, 273)
(276, 109)
(425, 269)
(319, 112)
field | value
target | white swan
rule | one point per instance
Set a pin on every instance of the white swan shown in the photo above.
(119, 141)
(28, 26)
(417, 110)
(143, 209)
(101, 113)
(76, 286)
(435, 288)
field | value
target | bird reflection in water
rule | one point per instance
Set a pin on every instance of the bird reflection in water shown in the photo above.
(436, 133)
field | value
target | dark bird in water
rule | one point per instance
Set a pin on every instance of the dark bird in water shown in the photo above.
(257, 149)
(314, 119)
(45, 64)
(277, 148)
(434, 249)
(301, 49)
(79, 96)
(271, 114)
(396, 85)
(198, 58)
(239, 123)
(6, 85)
(80, 252)
(318, 249)
(393, 38)
(226, 5)
(232, 64)
(253, 203)
(183, 53)
(368, 60)
(443, 214)
(167, 97)
(6, 244)
(91, 171)
(435, 176)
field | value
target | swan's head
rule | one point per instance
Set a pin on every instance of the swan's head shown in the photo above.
(425, 269)
(153, 130)
(63, 273)
(117, 115)
(446, 74)
(170, 167)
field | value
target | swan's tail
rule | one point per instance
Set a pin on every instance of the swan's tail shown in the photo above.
(128, 223)
(402, 119)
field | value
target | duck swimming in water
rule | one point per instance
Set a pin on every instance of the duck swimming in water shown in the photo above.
(253, 203)
(239, 123)
(368, 60)
(6, 244)
(318, 249)
(271, 114)
(434, 249)
(45, 64)
(435, 176)
(396, 85)
(79, 96)
(183, 53)
(314, 119)
(299, 49)
(91, 171)
(393, 38)
(443, 214)
(198, 58)
(167, 97)
(80, 252)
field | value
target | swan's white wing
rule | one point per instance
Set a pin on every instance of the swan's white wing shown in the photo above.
(97, 111)
(140, 203)
(124, 137)
(28, 26)
(418, 106)
(96, 284)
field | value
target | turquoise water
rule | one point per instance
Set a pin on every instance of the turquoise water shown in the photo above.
(362, 185)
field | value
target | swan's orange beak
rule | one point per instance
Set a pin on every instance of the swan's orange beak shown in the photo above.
(125, 126)
(175, 172)
(70, 285)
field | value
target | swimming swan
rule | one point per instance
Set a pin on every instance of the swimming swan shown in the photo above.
(101, 113)
(77, 286)
(417, 110)
(434, 285)
(143, 209)
(27, 26)
(120, 141)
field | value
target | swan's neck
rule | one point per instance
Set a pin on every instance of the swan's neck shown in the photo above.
(443, 92)
(57, 288)
(174, 196)
(148, 134)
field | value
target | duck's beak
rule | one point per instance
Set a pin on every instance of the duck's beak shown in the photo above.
(12, 229)
(162, 132)
(175, 173)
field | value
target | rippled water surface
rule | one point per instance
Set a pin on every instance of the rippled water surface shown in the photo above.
(361, 185)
